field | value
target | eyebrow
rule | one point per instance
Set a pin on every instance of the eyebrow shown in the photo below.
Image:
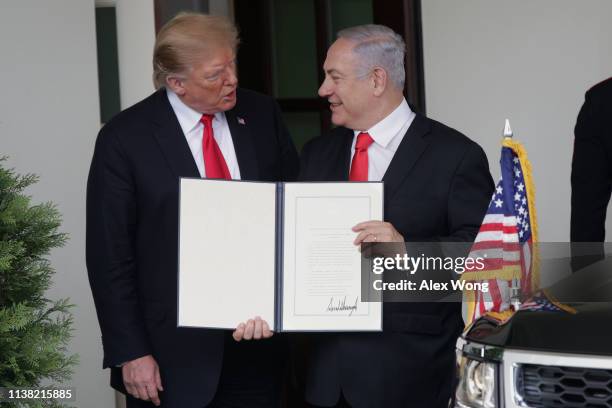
(333, 71)
(221, 65)
(213, 72)
(216, 69)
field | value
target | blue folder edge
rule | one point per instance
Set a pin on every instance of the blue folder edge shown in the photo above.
(279, 257)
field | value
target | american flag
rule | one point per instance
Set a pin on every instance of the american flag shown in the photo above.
(540, 301)
(505, 239)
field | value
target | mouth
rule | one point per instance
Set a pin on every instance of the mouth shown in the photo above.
(230, 96)
(334, 105)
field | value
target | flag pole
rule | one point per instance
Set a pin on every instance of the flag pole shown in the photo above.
(515, 298)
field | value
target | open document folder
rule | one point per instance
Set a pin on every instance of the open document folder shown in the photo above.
(282, 251)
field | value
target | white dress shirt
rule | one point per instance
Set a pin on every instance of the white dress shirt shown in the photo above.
(193, 130)
(387, 135)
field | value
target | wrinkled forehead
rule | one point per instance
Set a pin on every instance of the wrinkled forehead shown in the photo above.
(212, 58)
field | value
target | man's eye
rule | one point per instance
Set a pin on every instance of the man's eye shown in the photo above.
(213, 77)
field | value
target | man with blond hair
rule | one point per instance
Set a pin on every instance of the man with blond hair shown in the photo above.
(197, 124)
(437, 188)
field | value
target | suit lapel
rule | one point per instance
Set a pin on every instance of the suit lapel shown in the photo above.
(408, 152)
(343, 167)
(171, 139)
(243, 144)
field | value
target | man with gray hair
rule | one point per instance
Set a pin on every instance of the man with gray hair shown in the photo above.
(437, 188)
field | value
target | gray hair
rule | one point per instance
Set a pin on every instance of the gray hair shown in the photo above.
(378, 45)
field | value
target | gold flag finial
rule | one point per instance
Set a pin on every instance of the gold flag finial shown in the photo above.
(507, 129)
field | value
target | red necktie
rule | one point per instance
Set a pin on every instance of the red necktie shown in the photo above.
(359, 166)
(214, 163)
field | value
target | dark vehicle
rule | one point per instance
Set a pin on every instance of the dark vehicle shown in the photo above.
(544, 358)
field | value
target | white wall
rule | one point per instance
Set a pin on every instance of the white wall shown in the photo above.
(49, 117)
(135, 41)
(530, 61)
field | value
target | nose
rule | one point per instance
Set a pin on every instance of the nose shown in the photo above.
(325, 89)
(232, 78)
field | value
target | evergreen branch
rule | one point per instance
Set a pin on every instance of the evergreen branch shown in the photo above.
(34, 331)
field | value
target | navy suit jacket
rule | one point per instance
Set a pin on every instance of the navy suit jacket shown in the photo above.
(437, 187)
(132, 236)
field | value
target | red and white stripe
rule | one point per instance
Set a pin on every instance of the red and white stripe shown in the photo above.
(497, 243)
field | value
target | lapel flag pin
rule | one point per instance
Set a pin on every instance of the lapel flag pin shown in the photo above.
(241, 121)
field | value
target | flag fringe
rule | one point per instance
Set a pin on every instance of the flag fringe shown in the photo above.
(501, 317)
(520, 151)
(560, 305)
(469, 301)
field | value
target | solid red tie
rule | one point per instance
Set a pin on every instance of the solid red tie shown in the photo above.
(359, 166)
(214, 163)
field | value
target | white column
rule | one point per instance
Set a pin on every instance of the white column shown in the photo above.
(135, 41)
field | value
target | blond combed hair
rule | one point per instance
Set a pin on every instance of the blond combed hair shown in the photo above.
(186, 39)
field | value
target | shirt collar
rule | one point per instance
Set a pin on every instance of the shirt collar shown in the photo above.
(188, 118)
(385, 130)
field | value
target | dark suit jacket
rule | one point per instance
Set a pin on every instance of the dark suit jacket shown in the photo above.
(437, 187)
(592, 169)
(132, 235)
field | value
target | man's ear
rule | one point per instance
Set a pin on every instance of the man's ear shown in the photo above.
(176, 84)
(379, 78)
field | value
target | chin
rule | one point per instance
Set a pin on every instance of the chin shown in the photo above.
(228, 105)
(338, 120)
